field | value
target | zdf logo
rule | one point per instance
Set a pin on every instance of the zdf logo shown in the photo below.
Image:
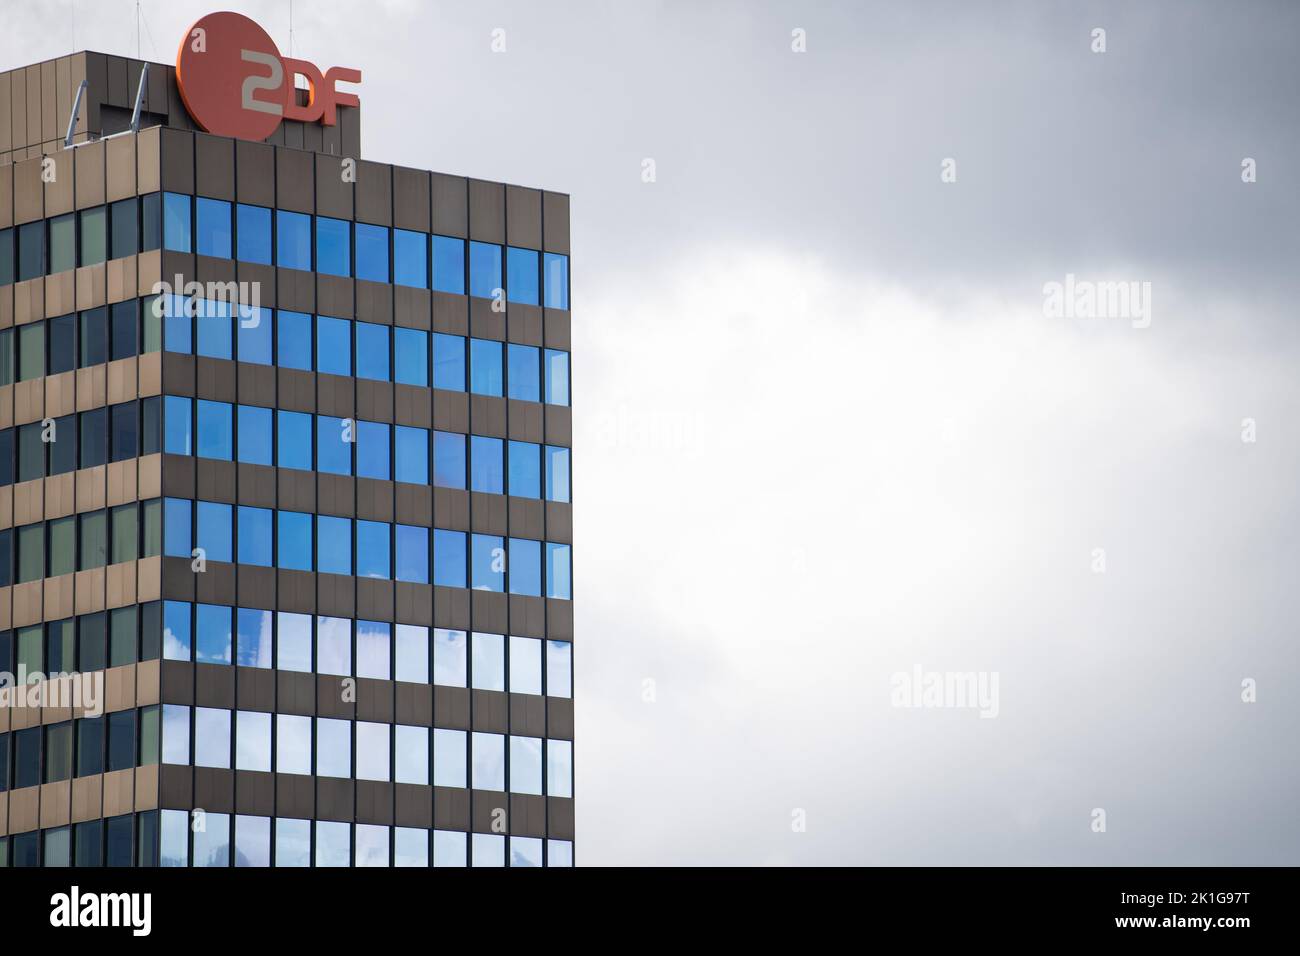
(234, 82)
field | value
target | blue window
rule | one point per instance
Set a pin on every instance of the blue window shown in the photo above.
(176, 222)
(293, 340)
(486, 469)
(333, 255)
(293, 240)
(176, 528)
(333, 345)
(334, 445)
(411, 452)
(177, 438)
(252, 637)
(178, 334)
(557, 280)
(557, 473)
(294, 536)
(372, 351)
(448, 264)
(485, 367)
(216, 438)
(525, 470)
(557, 377)
(213, 322)
(448, 459)
(294, 433)
(521, 276)
(410, 258)
(333, 545)
(411, 357)
(558, 583)
(525, 567)
(177, 632)
(253, 227)
(254, 532)
(254, 428)
(372, 549)
(449, 362)
(525, 363)
(372, 450)
(212, 227)
(487, 562)
(212, 530)
(412, 554)
(484, 269)
(372, 252)
(212, 635)
(254, 332)
(449, 558)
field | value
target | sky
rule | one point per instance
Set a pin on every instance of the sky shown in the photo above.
(828, 433)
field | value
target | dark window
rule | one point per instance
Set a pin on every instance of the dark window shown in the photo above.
(125, 337)
(63, 450)
(31, 250)
(31, 452)
(94, 438)
(126, 229)
(94, 337)
(125, 438)
(119, 837)
(88, 843)
(121, 740)
(7, 357)
(6, 457)
(63, 243)
(150, 222)
(90, 746)
(60, 647)
(58, 752)
(92, 641)
(26, 849)
(62, 339)
(94, 235)
(27, 757)
(4, 762)
(6, 256)
(151, 631)
(151, 425)
(148, 839)
(6, 558)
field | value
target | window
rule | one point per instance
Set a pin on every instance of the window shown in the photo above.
(123, 432)
(27, 757)
(31, 351)
(488, 563)
(150, 222)
(558, 571)
(374, 641)
(253, 226)
(333, 747)
(175, 734)
(62, 335)
(488, 769)
(58, 752)
(448, 264)
(410, 847)
(125, 533)
(295, 541)
(556, 365)
(450, 848)
(88, 841)
(31, 552)
(6, 256)
(119, 840)
(333, 844)
(177, 639)
(124, 329)
(372, 751)
(372, 252)
(412, 752)
(488, 665)
(123, 634)
(94, 337)
(178, 323)
(58, 847)
(559, 768)
(333, 345)
(252, 741)
(411, 357)
(292, 744)
(90, 745)
(254, 431)
(292, 842)
(372, 351)
(252, 841)
(176, 222)
(293, 240)
(212, 637)
(411, 454)
(31, 250)
(522, 276)
(214, 323)
(333, 255)
(7, 357)
(525, 851)
(31, 451)
(60, 646)
(372, 549)
(449, 362)
(372, 844)
(486, 469)
(484, 270)
(525, 469)
(449, 558)
(412, 653)
(525, 665)
(450, 658)
(294, 433)
(449, 459)
(253, 637)
(410, 259)
(333, 444)
(211, 739)
(334, 545)
(212, 227)
(526, 765)
(525, 363)
(94, 235)
(412, 554)
(63, 454)
(253, 330)
(556, 268)
(557, 473)
(215, 433)
(372, 450)
(485, 367)
(449, 758)
(177, 438)
(254, 536)
(126, 229)
(63, 243)
(62, 545)
(293, 335)
(121, 740)
(212, 844)
(212, 530)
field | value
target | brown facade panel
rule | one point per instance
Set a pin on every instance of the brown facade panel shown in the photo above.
(374, 193)
(524, 217)
(214, 166)
(450, 205)
(555, 222)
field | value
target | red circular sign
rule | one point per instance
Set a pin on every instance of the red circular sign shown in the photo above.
(231, 77)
